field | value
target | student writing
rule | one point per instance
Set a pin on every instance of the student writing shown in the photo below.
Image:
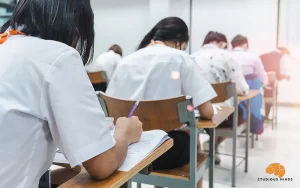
(160, 69)
(47, 100)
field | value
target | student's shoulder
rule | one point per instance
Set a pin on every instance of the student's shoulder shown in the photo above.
(47, 48)
(253, 55)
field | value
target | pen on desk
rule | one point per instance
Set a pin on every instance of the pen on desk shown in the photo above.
(133, 108)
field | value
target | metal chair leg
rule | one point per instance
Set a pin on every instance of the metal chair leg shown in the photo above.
(233, 170)
(211, 157)
(248, 121)
(247, 148)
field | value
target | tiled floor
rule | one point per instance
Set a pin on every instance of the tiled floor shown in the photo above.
(280, 145)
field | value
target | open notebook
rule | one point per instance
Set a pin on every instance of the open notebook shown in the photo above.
(149, 141)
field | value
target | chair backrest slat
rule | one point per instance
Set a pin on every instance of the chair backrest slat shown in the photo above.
(155, 114)
(224, 90)
(97, 77)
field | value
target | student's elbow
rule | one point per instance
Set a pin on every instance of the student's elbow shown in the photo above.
(209, 114)
(98, 169)
(99, 174)
(206, 111)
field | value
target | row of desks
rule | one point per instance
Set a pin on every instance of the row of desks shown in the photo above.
(83, 179)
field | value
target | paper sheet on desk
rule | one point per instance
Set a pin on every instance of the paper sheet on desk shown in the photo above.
(198, 115)
(149, 141)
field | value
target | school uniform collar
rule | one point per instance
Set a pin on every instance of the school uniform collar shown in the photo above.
(238, 49)
(211, 45)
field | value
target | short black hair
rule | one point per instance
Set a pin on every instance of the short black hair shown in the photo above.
(168, 29)
(239, 40)
(68, 21)
(214, 37)
(117, 49)
(284, 50)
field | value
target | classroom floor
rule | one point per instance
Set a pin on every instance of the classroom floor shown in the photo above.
(280, 145)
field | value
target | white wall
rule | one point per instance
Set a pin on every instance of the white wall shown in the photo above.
(121, 22)
(127, 22)
(254, 18)
(289, 37)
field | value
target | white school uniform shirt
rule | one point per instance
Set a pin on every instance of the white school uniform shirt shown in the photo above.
(159, 72)
(251, 64)
(107, 62)
(47, 102)
(217, 65)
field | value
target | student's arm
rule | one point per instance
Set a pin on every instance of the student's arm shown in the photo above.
(260, 72)
(127, 131)
(206, 110)
(76, 120)
(193, 84)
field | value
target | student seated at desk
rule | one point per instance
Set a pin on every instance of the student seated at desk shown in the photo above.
(275, 61)
(161, 69)
(250, 62)
(47, 100)
(107, 61)
(256, 78)
(217, 65)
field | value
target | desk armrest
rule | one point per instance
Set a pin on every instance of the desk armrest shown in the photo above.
(218, 118)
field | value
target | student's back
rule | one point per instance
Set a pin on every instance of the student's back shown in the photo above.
(251, 64)
(161, 70)
(158, 72)
(217, 65)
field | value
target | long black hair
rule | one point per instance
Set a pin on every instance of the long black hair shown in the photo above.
(68, 21)
(214, 37)
(168, 29)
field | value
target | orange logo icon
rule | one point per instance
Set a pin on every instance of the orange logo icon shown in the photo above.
(277, 169)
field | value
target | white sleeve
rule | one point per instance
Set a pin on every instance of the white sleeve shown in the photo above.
(235, 74)
(75, 117)
(194, 84)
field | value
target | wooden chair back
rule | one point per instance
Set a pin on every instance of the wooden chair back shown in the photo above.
(98, 77)
(225, 91)
(167, 115)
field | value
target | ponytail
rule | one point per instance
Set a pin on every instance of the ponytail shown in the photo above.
(168, 29)
(147, 39)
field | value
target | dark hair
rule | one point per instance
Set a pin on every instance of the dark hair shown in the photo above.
(117, 49)
(68, 21)
(214, 37)
(284, 50)
(239, 40)
(168, 29)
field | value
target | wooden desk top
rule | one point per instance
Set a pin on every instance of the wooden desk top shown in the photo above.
(252, 94)
(84, 180)
(217, 119)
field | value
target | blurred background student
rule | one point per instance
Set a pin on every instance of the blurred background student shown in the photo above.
(217, 65)
(161, 63)
(275, 61)
(256, 78)
(106, 62)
